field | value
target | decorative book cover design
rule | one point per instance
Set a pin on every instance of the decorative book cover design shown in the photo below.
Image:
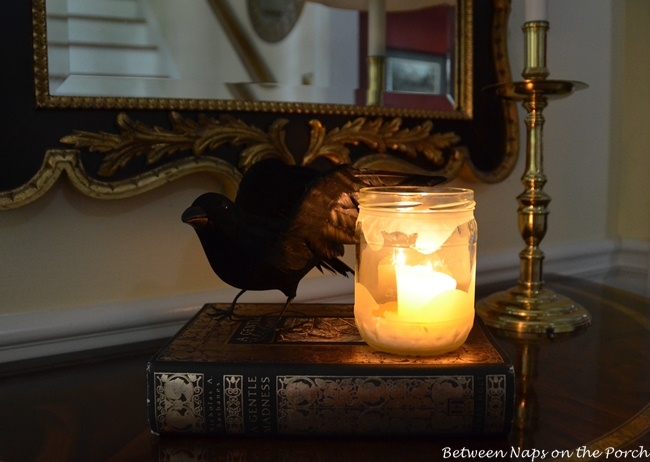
(317, 377)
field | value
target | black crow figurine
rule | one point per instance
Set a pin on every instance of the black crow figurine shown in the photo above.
(285, 220)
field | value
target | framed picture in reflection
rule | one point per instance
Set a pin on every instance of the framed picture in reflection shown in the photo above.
(412, 72)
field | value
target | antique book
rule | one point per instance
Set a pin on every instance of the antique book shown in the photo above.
(310, 374)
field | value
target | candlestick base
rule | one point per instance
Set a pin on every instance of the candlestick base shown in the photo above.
(526, 314)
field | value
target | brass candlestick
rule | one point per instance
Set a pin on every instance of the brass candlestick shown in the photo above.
(530, 308)
(376, 80)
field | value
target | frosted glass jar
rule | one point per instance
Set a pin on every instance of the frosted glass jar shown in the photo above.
(416, 268)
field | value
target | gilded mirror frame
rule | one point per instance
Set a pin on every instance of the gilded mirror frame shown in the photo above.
(462, 93)
(159, 139)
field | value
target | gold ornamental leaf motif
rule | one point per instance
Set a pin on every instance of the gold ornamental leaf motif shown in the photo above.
(209, 134)
(206, 133)
(155, 142)
(332, 145)
(379, 137)
(138, 139)
(271, 145)
(135, 139)
(420, 140)
(95, 142)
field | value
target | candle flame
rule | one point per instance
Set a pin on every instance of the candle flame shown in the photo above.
(417, 285)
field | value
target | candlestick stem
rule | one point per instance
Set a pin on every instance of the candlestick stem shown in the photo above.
(533, 202)
(530, 308)
(376, 80)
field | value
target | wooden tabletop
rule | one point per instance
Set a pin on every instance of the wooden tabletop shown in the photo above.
(577, 395)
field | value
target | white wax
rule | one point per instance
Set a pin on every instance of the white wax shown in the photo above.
(535, 10)
(451, 316)
(376, 27)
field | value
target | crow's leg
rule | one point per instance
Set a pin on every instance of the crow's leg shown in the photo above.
(268, 337)
(284, 308)
(279, 318)
(231, 309)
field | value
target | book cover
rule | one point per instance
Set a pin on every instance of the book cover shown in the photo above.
(224, 375)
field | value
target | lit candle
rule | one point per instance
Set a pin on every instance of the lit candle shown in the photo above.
(415, 279)
(535, 10)
(376, 27)
(417, 285)
(441, 324)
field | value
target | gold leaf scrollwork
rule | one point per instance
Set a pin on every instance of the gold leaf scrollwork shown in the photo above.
(379, 137)
(206, 134)
(138, 139)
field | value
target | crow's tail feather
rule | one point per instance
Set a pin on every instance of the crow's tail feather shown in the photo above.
(335, 266)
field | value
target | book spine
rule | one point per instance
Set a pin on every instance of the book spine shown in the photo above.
(258, 401)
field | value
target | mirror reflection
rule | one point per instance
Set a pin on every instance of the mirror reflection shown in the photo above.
(258, 50)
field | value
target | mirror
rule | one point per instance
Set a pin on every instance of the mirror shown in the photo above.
(259, 50)
(288, 51)
(442, 123)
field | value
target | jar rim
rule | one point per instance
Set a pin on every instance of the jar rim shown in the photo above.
(417, 198)
(409, 189)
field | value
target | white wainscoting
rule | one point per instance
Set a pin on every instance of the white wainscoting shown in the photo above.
(631, 267)
(38, 334)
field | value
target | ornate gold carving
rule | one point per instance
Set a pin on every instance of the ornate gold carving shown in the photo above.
(378, 136)
(206, 133)
(138, 139)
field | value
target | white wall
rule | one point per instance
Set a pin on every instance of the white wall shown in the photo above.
(68, 254)
(631, 137)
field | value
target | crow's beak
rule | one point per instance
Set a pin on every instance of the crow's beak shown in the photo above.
(195, 217)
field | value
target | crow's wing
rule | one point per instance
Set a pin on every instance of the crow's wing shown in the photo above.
(272, 188)
(326, 215)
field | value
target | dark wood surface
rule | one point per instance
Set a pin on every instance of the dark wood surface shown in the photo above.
(588, 390)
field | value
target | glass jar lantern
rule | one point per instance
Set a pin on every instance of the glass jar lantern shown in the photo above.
(415, 269)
